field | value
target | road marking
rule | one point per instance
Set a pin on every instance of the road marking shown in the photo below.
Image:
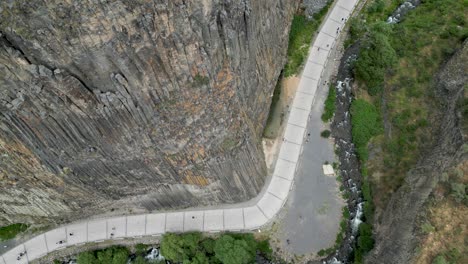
(327, 34)
(126, 223)
(26, 253)
(262, 211)
(344, 8)
(243, 218)
(341, 23)
(45, 241)
(316, 63)
(321, 48)
(275, 195)
(308, 78)
(146, 222)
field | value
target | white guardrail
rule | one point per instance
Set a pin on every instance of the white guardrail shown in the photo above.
(216, 220)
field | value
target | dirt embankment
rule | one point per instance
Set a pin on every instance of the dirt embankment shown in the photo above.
(396, 234)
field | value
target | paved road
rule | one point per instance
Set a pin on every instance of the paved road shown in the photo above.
(247, 216)
(313, 211)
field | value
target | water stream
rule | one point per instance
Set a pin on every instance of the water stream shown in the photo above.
(341, 131)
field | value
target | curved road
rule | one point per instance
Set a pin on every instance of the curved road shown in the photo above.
(243, 217)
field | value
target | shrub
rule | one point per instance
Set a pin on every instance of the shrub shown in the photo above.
(365, 240)
(264, 247)
(325, 133)
(439, 260)
(427, 228)
(199, 80)
(140, 248)
(458, 191)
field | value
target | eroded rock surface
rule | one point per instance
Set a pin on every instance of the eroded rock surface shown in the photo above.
(134, 104)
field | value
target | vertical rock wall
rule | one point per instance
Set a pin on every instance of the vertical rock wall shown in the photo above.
(134, 104)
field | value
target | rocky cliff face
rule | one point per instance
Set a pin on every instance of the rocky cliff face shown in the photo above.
(396, 237)
(134, 104)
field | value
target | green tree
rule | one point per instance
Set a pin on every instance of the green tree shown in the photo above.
(199, 258)
(86, 258)
(234, 251)
(208, 245)
(113, 255)
(376, 58)
(180, 247)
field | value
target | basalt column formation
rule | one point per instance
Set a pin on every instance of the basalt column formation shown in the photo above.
(112, 105)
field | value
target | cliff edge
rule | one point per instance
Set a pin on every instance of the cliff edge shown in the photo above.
(107, 106)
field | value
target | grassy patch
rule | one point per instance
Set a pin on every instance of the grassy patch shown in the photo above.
(300, 36)
(329, 108)
(366, 123)
(10, 231)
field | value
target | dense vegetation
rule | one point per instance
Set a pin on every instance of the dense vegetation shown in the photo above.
(300, 36)
(114, 255)
(10, 231)
(228, 248)
(376, 57)
(396, 68)
(188, 248)
(329, 108)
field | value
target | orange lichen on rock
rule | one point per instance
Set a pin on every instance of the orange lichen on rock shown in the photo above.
(196, 180)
